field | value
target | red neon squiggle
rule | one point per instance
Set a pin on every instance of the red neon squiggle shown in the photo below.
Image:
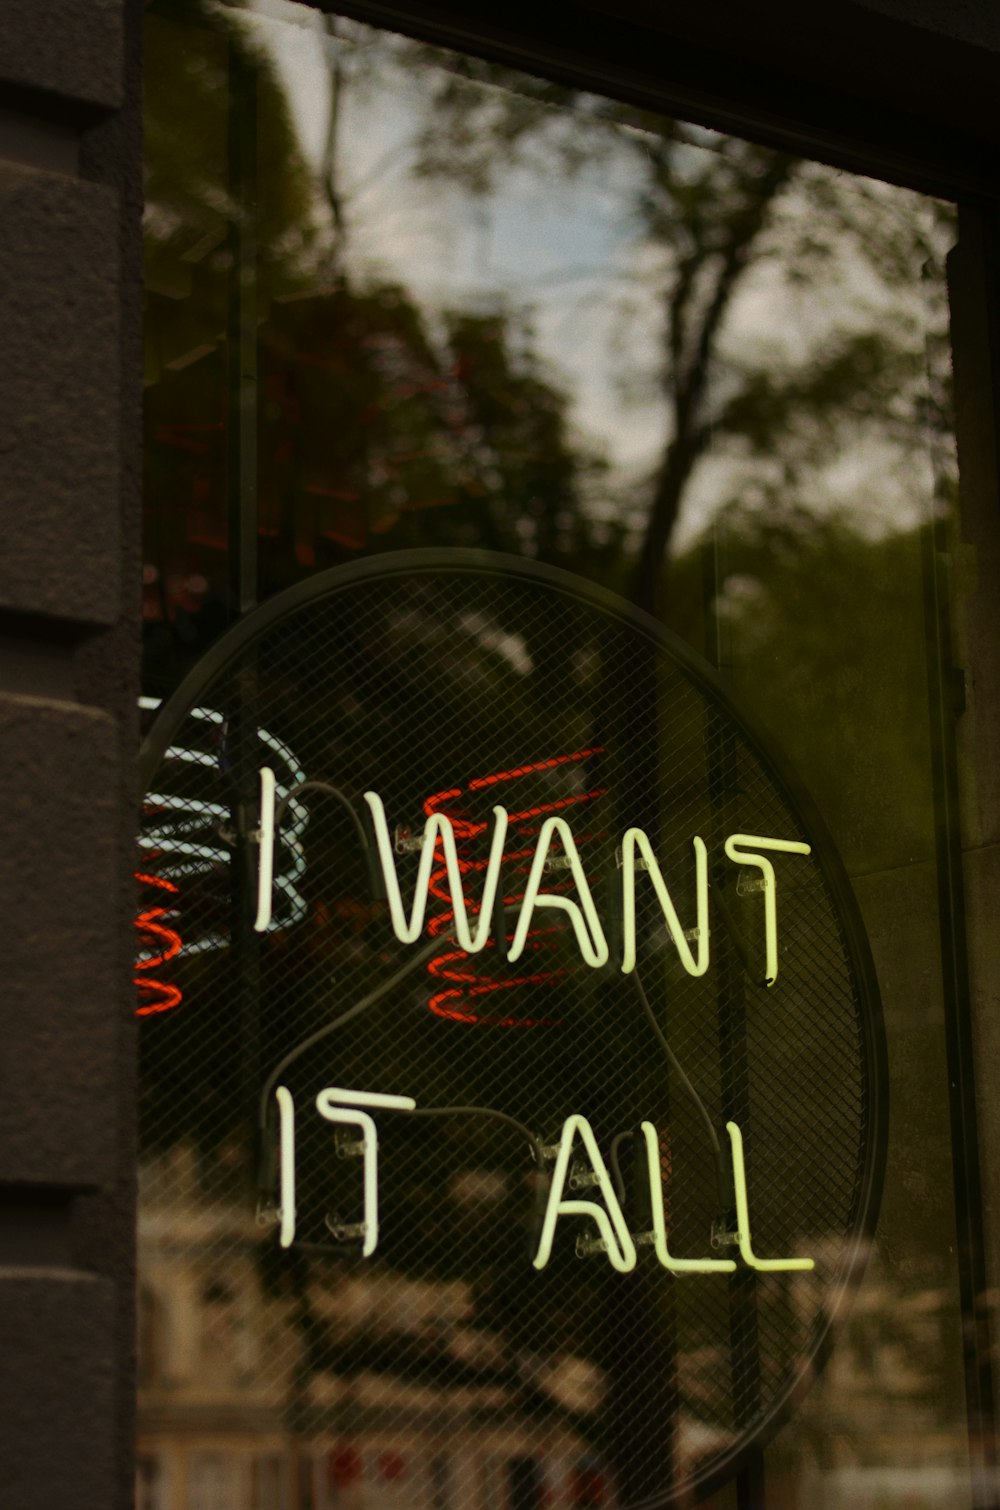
(156, 995)
(487, 988)
(529, 770)
(146, 922)
(473, 980)
(439, 967)
(555, 807)
(167, 998)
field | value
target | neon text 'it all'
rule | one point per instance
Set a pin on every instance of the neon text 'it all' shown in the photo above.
(353, 1108)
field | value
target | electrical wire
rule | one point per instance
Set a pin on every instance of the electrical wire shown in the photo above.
(371, 1000)
(474, 1111)
(400, 975)
(616, 1168)
(374, 872)
(675, 1063)
(374, 997)
(735, 936)
(332, 791)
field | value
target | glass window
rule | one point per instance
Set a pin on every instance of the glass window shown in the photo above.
(270, 1483)
(403, 299)
(213, 1481)
(149, 1483)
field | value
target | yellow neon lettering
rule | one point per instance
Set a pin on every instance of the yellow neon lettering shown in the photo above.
(634, 840)
(438, 827)
(593, 945)
(286, 1123)
(610, 1221)
(265, 839)
(742, 856)
(675, 1265)
(765, 1265)
(341, 1107)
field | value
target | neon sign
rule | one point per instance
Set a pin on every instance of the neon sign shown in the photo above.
(468, 988)
(184, 835)
(160, 943)
(438, 849)
(533, 847)
(352, 1108)
(439, 859)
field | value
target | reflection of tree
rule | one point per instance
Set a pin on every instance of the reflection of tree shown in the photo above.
(433, 438)
(848, 708)
(377, 428)
(195, 52)
(843, 688)
(385, 425)
(382, 424)
(710, 213)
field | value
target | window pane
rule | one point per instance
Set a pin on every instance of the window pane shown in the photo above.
(400, 298)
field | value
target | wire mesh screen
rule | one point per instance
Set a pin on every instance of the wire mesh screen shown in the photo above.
(407, 1346)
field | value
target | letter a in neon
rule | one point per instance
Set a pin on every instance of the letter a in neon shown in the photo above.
(593, 944)
(609, 1218)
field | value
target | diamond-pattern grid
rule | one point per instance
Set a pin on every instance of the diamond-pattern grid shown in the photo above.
(423, 684)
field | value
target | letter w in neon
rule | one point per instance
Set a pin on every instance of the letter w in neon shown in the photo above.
(438, 830)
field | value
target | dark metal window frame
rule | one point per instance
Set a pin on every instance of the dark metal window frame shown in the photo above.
(838, 83)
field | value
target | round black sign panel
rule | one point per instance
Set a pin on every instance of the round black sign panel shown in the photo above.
(586, 1116)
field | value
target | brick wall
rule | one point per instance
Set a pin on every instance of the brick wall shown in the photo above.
(70, 206)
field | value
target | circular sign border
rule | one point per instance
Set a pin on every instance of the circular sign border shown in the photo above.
(467, 561)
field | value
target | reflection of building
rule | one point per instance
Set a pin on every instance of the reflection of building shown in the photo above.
(233, 1417)
(211, 1418)
(221, 1379)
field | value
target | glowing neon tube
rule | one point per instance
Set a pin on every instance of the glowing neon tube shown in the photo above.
(286, 1125)
(184, 830)
(437, 829)
(634, 839)
(340, 1106)
(265, 839)
(765, 1265)
(593, 945)
(742, 856)
(675, 1265)
(610, 1222)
